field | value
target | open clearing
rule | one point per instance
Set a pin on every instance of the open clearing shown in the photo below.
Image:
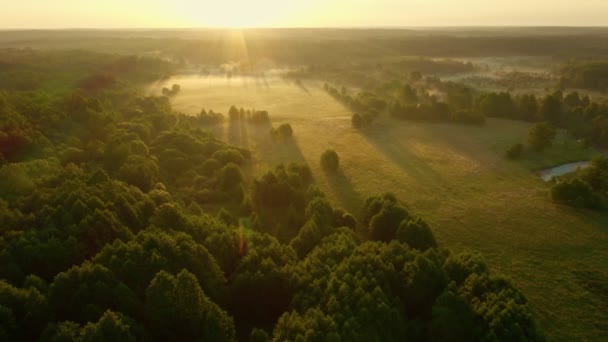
(454, 176)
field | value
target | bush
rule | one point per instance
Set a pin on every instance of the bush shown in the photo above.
(542, 136)
(575, 193)
(384, 225)
(467, 116)
(233, 113)
(357, 121)
(330, 161)
(230, 176)
(176, 88)
(515, 151)
(259, 117)
(416, 234)
(343, 219)
(209, 118)
(282, 132)
(229, 155)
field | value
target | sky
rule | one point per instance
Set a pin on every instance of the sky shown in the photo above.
(299, 13)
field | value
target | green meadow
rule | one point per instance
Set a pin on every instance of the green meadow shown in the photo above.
(454, 176)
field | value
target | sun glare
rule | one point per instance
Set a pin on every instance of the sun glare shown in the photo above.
(239, 13)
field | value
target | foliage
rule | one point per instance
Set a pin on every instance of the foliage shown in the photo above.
(109, 327)
(365, 105)
(416, 234)
(179, 309)
(258, 117)
(23, 312)
(388, 291)
(330, 161)
(357, 121)
(586, 75)
(575, 193)
(541, 136)
(283, 132)
(210, 117)
(382, 216)
(515, 151)
(551, 108)
(174, 90)
(587, 189)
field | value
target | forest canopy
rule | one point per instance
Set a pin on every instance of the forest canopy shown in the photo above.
(125, 220)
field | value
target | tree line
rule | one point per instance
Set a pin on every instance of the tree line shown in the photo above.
(582, 117)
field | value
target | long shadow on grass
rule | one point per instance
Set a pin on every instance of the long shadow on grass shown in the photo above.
(266, 84)
(238, 133)
(275, 153)
(234, 135)
(342, 187)
(244, 133)
(401, 155)
(302, 87)
(271, 150)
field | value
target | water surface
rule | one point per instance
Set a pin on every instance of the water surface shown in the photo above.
(548, 174)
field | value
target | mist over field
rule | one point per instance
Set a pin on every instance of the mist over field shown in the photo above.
(318, 171)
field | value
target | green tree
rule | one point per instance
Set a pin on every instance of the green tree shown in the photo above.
(383, 225)
(453, 319)
(83, 293)
(343, 219)
(309, 237)
(23, 313)
(136, 262)
(314, 325)
(230, 177)
(330, 161)
(263, 268)
(234, 113)
(259, 335)
(572, 100)
(515, 151)
(415, 76)
(180, 310)
(527, 107)
(497, 105)
(460, 266)
(576, 193)
(425, 280)
(597, 175)
(284, 131)
(541, 136)
(416, 234)
(62, 332)
(503, 310)
(357, 121)
(110, 327)
(551, 108)
(408, 94)
(139, 171)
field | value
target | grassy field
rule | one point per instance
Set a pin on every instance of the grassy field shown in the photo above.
(454, 176)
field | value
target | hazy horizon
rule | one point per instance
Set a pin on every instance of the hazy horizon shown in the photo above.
(139, 14)
(194, 28)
